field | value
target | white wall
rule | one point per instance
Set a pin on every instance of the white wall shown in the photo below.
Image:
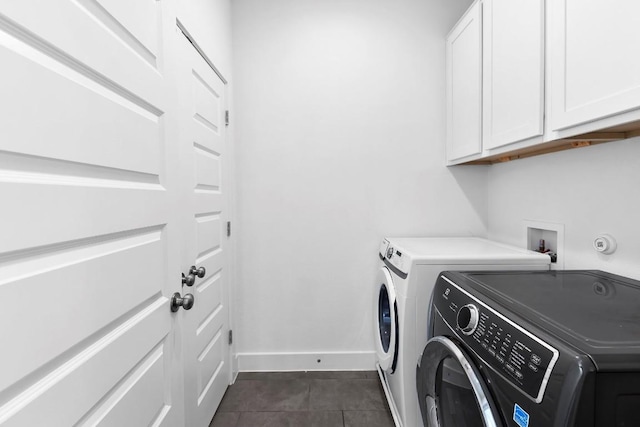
(339, 125)
(590, 190)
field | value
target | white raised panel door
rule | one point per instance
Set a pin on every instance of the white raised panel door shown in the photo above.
(88, 249)
(513, 71)
(595, 71)
(464, 86)
(205, 334)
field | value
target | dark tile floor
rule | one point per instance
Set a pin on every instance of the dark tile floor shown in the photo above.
(304, 399)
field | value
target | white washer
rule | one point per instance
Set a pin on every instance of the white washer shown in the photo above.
(408, 271)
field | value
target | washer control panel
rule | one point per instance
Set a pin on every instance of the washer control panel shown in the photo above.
(519, 356)
(393, 256)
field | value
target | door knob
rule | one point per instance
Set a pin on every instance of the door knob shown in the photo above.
(200, 272)
(188, 280)
(185, 302)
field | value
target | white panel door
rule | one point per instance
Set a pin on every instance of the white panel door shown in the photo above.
(206, 326)
(595, 71)
(464, 86)
(513, 71)
(88, 237)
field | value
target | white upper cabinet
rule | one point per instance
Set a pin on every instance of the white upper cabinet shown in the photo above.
(513, 71)
(595, 69)
(495, 79)
(464, 87)
(583, 88)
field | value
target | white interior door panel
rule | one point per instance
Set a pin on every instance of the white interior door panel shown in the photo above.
(89, 253)
(113, 43)
(206, 327)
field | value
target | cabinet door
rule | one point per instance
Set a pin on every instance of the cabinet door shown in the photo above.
(513, 72)
(595, 72)
(464, 87)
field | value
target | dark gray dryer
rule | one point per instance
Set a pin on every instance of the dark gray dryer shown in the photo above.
(544, 348)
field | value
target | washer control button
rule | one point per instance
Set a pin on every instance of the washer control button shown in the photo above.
(389, 252)
(467, 319)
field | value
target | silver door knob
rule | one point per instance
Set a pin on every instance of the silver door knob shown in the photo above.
(188, 280)
(178, 301)
(200, 272)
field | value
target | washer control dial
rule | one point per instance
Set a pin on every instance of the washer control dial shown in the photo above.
(468, 318)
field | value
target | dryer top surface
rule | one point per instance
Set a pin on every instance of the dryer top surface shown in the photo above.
(463, 250)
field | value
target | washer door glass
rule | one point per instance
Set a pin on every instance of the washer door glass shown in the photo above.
(454, 396)
(386, 321)
(384, 318)
(451, 391)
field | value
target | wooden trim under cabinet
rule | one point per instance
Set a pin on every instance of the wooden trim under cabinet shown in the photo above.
(615, 133)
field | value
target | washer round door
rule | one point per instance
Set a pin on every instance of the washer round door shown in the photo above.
(386, 321)
(451, 391)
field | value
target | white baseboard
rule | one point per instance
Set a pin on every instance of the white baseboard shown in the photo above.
(331, 361)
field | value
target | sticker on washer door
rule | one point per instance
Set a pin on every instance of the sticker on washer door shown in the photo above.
(520, 416)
